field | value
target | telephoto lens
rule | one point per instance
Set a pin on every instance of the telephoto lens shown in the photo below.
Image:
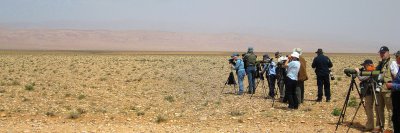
(370, 73)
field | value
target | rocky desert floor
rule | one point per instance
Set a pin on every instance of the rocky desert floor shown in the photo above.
(125, 92)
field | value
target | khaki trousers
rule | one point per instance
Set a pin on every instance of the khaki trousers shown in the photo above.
(384, 100)
(369, 111)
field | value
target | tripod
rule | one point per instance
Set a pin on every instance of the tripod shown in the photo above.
(263, 86)
(343, 112)
(230, 81)
(371, 89)
(276, 94)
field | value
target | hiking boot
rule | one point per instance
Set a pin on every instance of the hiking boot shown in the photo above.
(388, 131)
(328, 100)
(319, 100)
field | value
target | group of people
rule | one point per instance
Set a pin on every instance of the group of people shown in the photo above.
(288, 72)
(385, 88)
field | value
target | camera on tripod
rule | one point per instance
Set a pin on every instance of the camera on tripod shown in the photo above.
(232, 61)
(352, 72)
(375, 75)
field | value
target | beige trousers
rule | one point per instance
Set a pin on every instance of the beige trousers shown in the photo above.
(384, 100)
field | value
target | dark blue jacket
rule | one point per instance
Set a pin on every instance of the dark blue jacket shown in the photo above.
(322, 64)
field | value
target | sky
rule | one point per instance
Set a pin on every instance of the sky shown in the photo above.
(366, 23)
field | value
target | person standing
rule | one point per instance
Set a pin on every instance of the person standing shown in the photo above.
(280, 75)
(383, 94)
(250, 66)
(395, 87)
(302, 75)
(322, 64)
(293, 67)
(270, 68)
(367, 86)
(240, 71)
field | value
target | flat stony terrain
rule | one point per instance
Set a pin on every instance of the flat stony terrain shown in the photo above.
(124, 92)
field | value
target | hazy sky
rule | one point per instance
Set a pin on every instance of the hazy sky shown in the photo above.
(369, 22)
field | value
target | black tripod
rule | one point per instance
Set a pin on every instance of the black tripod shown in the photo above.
(263, 86)
(351, 88)
(230, 81)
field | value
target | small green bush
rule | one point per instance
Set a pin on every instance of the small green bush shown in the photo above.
(29, 87)
(50, 114)
(160, 118)
(74, 115)
(336, 112)
(14, 83)
(139, 113)
(169, 98)
(81, 96)
(352, 102)
(237, 113)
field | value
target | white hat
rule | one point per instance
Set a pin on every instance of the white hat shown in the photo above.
(295, 54)
(298, 50)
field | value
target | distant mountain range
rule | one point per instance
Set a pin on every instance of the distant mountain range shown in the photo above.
(139, 40)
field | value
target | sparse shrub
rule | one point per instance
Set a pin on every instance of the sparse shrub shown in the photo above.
(160, 118)
(133, 108)
(74, 115)
(29, 87)
(103, 79)
(67, 95)
(81, 111)
(169, 98)
(339, 78)
(24, 99)
(139, 113)
(237, 113)
(218, 103)
(81, 96)
(15, 82)
(336, 112)
(352, 102)
(50, 114)
(240, 121)
(205, 103)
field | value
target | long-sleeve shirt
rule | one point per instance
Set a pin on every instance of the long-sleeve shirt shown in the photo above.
(394, 69)
(322, 63)
(271, 68)
(396, 82)
(239, 64)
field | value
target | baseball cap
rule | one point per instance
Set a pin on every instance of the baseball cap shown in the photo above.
(266, 56)
(235, 54)
(277, 53)
(367, 62)
(250, 49)
(319, 51)
(383, 49)
(397, 53)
